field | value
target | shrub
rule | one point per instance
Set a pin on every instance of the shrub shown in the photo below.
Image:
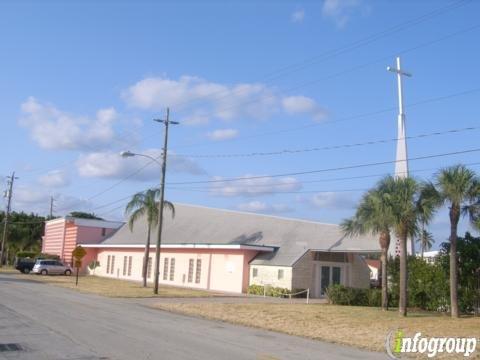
(93, 265)
(48, 256)
(26, 254)
(427, 284)
(343, 295)
(269, 290)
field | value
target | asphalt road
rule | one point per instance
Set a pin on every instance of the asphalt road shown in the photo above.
(49, 322)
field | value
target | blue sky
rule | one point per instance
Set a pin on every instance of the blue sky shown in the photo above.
(82, 81)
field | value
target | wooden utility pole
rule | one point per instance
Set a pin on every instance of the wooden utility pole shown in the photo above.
(51, 207)
(166, 122)
(8, 194)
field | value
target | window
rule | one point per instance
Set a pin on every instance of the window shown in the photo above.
(280, 274)
(255, 272)
(112, 265)
(149, 268)
(108, 264)
(198, 271)
(129, 273)
(124, 265)
(190, 270)
(336, 275)
(172, 269)
(165, 269)
(104, 231)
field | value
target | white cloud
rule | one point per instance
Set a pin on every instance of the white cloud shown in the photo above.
(199, 101)
(262, 207)
(254, 187)
(303, 105)
(298, 16)
(222, 134)
(340, 11)
(54, 178)
(32, 199)
(333, 201)
(54, 129)
(111, 165)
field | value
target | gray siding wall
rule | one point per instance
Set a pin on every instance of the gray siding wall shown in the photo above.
(359, 273)
(303, 272)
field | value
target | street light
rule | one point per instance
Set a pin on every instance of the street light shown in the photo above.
(163, 165)
(128, 153)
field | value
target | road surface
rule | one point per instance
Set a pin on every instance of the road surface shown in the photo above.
(49, 322)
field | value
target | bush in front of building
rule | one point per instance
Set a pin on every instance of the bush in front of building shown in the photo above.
(268, 290)
(48, 256)
(26, 254)
(93, 265)
(427, 284)
(344, 295)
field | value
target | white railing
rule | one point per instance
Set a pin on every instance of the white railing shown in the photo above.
(298, 293)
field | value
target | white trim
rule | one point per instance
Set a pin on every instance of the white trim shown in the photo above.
(88, 222)
(184, 246)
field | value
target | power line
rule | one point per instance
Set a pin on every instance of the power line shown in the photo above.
(335, 52)
(348, 167)
(332, 147)
(211, 189)
(351, 117)
(122, 180)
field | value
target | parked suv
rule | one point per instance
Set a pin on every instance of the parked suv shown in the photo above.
(51, 267)
(25, 265)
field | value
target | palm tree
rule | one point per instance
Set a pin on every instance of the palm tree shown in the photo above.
(425, 240)
(459, 188)
(374, 216)
(145, 203)
(427, 202)
(402, 196)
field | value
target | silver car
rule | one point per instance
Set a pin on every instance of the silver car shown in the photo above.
(52, 267)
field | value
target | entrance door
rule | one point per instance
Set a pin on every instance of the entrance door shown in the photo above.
(325, 275)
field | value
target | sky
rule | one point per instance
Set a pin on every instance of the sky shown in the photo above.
(260, 88)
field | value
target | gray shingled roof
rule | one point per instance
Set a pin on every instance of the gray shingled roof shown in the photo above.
(292, 237)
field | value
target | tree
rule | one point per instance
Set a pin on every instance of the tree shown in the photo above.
(402, 196)
(84, 215)
(459, 188)
(373, 215)
(468, 250)
(24, 233)
(427, 202)
(146, 204)
(425, 240)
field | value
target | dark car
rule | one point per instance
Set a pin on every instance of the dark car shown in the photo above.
(24, 265)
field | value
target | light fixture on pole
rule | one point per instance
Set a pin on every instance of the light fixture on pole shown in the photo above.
(166, 122)
(163, 164)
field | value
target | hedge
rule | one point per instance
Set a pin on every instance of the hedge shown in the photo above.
(272, 291)
(343, 295)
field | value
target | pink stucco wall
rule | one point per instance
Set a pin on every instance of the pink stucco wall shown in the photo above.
(222, 270)
(62, 236)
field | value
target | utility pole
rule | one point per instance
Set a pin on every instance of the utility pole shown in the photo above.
(166, 122)
(401, 163)
(8, 194)
(51, 207)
